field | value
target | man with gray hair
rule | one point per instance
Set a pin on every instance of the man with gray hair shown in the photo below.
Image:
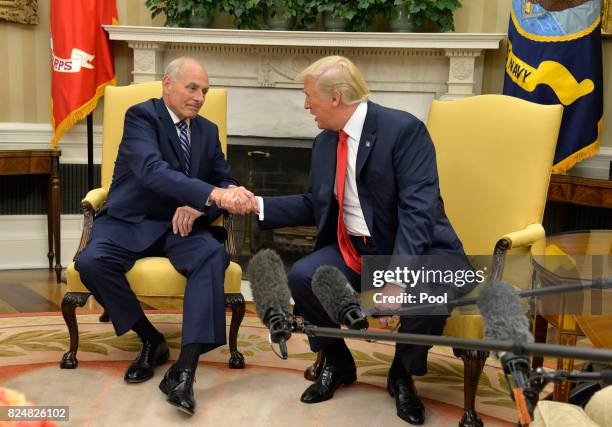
(170, 182)
(373, 191)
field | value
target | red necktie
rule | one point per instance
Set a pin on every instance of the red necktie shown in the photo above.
(348, 251)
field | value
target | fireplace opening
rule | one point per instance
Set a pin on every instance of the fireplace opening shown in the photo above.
(271, 167)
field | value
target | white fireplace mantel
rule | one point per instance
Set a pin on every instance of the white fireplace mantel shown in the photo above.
(306, 38)
(403, 70)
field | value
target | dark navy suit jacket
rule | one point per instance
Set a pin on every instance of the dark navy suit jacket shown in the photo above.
(148, 180)
(397, 183)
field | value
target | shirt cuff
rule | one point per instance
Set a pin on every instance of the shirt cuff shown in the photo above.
(261, 208)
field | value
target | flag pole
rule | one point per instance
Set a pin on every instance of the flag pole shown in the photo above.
(90, 164)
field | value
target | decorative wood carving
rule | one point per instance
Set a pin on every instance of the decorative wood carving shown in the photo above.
(20, 11)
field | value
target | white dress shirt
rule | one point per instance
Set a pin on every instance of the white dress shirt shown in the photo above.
(353, 215)
(176, 121)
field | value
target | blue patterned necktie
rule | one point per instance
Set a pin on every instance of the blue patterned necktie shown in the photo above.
(185, 147)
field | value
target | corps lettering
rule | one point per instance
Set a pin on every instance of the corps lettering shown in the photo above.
(62, 65)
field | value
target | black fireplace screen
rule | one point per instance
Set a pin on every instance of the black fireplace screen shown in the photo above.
(271, 171)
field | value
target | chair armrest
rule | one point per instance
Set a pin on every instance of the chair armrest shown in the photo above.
(95, 199)
(527, 236)
(92, 203)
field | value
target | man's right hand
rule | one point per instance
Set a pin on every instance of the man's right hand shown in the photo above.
(393, 292)
(236, 200)
(389, 322)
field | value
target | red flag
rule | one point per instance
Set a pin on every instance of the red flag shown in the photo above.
(81, 59)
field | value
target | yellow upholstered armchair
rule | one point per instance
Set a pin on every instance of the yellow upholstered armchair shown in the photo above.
(494, 156)
(152, 276)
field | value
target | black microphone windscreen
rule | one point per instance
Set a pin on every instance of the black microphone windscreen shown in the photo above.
(268, 283)
(333, 291)
(504, 317)
(606, 376)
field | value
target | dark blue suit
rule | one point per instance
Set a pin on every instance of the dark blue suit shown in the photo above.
(148, 186)
(397, 183)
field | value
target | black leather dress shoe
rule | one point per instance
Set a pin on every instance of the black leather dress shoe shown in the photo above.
(151, 355)
(178, 385)
(408, 404)
(329, 380)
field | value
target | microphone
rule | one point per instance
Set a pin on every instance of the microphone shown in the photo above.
(271, 295)
(338, 297)
(605, 376)
(504, 320)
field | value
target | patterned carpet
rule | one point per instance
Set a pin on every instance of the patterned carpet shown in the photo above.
(31, 348)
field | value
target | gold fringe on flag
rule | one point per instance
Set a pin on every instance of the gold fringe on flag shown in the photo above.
(78, 114)
(591, 150)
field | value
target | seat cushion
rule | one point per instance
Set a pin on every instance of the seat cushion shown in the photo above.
(464, 326)
(599, 408)
(558, 414)
(155, 276)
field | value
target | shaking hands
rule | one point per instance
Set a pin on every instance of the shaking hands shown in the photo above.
(236, 200)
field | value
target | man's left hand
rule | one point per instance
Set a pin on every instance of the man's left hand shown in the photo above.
(183, 219)
(389, 322)
(390, 291)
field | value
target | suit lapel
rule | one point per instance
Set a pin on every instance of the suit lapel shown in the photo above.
(368, 138)
(197, 140)
(170, 129)
(325, 165)
(328, 168)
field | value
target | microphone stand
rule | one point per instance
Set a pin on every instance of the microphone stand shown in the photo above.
(553, 290)
(605, 376)
(539, 378)
(537, 381)
(525, 349)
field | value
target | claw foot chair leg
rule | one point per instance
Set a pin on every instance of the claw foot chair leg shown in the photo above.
(237, 304)
(473, 363)
(71, 301)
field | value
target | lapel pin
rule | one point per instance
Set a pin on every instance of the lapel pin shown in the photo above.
(368, 144)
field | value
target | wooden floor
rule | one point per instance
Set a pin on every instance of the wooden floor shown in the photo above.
(35, 291)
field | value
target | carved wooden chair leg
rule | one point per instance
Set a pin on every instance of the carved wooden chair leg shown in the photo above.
(540, 329)
(104, 317)
(237, 304)
(473, 363)
(312, 372)
(71, 301)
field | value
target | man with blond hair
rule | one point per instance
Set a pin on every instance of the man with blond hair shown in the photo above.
(373, 191)
(169, 183)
